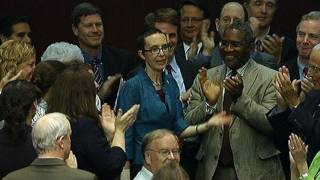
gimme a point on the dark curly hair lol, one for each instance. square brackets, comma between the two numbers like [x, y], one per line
[16, 99]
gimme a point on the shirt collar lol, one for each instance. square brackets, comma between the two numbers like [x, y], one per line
[301, 66]
[240, 71]
[186, 47]
[89, 59]
[146, 173]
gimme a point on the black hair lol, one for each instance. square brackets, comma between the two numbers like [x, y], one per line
[83, 9]
[7, 22]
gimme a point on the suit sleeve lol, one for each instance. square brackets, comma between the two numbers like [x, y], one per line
[128, 96]
[255, 113]
[196, 110]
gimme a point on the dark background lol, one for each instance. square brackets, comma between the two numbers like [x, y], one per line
[123, 19]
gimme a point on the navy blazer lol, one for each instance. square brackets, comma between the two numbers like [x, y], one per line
[301, 121]
[14, 156]
[116, 61]
[93, 152]
[153, 113]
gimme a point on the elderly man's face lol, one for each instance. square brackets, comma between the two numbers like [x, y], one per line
[308, 35]
[162, 151]
[263, 10]
[190, 22]
[314, 68]
[229, 14]
[90, 31]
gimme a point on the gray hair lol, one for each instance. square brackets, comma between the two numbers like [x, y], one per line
[48, 129]
[313, 15]
[153, 135]
[63, 52]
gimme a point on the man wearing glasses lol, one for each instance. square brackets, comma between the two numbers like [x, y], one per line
[241, 149]
[159, 147]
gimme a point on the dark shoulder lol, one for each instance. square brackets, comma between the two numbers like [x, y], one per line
[116, 51]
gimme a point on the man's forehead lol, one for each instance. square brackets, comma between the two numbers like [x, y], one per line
[90, 17]
[264, 1]
[21, 27]
[315, 57]
[233, 10]
[167, 141]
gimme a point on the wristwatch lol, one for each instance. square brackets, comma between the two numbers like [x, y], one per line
[303, 176]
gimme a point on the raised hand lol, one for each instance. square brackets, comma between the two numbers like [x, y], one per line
[108, 85]
[222, 118]
[273, 45]
[210, 89]
[234, 86]
[298, 150]
[207, 39]
[107, 120]
[287, 90]
[193, 50]
[124, 121]
[72, 161]
[10, 76]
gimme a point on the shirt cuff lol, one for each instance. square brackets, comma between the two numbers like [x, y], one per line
[210, 109]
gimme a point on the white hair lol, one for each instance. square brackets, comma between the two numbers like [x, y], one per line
[48, 129]
[63, 52]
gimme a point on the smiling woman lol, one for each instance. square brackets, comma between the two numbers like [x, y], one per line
[17, 57]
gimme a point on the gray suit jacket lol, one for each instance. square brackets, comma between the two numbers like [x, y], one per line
[250, 134]
[260, 57]
[49, 169]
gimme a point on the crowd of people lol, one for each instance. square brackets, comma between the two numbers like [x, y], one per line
[242, 103]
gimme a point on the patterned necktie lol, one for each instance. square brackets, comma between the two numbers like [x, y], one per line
[96, 65]
[258, 45]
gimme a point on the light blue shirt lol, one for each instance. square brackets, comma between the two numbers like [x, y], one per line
[300, 68]
[144, 174]
[177, 76]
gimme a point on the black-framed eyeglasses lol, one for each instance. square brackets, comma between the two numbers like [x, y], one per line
[167, 152]
[156, 50]
[232, 44]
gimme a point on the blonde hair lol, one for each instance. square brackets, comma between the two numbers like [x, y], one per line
[12, 54]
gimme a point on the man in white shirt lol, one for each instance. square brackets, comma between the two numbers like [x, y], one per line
[159, 147]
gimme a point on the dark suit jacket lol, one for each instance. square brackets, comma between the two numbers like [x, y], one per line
[49, 169]
[260, 57]
[14, 156]
[300, 121]
[93, 151]
[292, 65]
[116, 61]
[189, 68]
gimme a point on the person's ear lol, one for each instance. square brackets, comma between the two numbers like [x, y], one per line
[60, 142]
[141, 55]
[217, 22]
[147, 158]
[75, 30]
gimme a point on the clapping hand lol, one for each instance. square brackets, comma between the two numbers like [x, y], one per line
[210, 89]
[207, 38]
[234, 86]
[222, 118]
[273, 45]
[124, 121]
[298, 153]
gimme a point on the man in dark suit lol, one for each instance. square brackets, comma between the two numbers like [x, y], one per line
[293, 116]
[108, 63]
[51, 139]
[282, 48]
[308, 35]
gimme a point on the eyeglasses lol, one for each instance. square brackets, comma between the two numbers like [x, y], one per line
[313, 68]
[232, 44]
[167, 152]
[228, 20]
[156, 50]
[193, 20]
